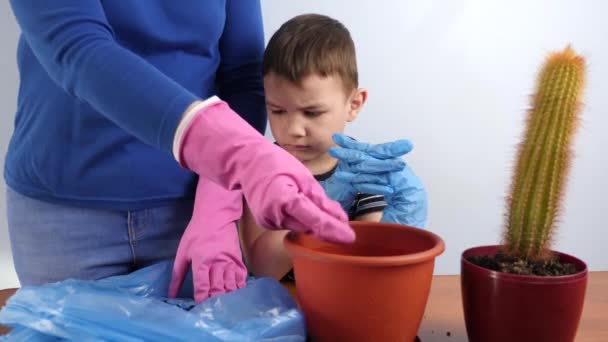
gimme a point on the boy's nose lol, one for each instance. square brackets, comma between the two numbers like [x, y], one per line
[296, 126]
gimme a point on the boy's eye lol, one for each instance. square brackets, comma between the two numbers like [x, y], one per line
[277, 111]
[312, 113]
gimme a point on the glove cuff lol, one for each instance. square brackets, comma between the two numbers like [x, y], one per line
[185, 123]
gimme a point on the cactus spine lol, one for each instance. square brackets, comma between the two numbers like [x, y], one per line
[543, 157]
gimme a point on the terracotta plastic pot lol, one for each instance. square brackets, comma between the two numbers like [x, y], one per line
[375, 289]
[508, 307]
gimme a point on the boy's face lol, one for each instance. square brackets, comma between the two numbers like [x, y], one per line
[303, 117]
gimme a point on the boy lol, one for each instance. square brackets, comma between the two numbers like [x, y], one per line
[311, 85]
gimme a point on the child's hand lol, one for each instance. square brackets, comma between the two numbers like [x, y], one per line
[367, 167]
[361, 168]
[340, 191]
[379, 170]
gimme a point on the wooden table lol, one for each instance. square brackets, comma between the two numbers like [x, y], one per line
[4, 295]
[444, 320]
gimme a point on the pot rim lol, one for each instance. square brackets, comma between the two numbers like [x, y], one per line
[525, 278]
[294, 248]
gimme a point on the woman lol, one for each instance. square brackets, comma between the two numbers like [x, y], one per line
[112, 93]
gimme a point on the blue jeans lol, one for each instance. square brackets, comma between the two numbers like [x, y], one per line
[53, 242]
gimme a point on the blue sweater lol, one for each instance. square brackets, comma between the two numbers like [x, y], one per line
[103, 85]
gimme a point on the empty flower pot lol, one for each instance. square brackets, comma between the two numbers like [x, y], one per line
[374, 289]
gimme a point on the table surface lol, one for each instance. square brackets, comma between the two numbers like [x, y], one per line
[444, 321]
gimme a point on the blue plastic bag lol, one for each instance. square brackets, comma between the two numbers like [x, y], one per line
[134, 308]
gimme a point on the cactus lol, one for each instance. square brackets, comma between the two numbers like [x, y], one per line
[543, 157]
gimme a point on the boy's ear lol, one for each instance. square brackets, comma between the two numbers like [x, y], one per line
[356, 102]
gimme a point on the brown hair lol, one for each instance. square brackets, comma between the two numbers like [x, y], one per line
[312, 44]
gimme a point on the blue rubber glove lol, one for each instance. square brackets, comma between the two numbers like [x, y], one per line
[338, 190]
[339, 186]
[379, 170]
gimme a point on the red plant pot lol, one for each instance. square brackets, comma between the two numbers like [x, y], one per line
[509, 307]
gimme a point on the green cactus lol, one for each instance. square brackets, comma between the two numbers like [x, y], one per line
[543, 158]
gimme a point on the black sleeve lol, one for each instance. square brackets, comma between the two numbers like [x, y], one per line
[365, 204]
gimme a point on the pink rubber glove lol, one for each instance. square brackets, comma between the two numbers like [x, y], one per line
[210, 244]
[215, 142]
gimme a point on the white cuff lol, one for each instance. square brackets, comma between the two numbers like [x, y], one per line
[185, 123]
